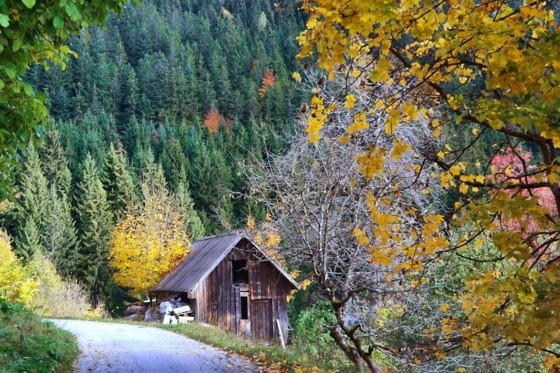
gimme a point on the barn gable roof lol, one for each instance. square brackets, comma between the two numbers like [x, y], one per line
[205, 255]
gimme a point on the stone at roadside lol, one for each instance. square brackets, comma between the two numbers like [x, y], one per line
[135, 310]
[151, 315]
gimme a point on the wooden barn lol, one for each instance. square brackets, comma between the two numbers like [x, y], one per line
[230, 282]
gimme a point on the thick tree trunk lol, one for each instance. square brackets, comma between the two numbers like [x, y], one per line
[350, 353]
[357, 354]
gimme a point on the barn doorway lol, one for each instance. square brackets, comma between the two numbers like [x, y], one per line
[261, 319]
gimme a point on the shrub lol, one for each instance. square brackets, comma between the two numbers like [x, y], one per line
[312, 337]
[39, 287]
[56, 297]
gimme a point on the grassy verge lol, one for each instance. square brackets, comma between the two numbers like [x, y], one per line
[29, 345]
[276, 358]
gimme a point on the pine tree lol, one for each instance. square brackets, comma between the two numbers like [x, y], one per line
[94, 224]
[59, 234]
[118, 183]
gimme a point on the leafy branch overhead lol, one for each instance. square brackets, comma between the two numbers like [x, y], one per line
[34, 32]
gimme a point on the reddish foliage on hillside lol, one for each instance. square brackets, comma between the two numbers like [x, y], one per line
[212, 120]
[268, 81]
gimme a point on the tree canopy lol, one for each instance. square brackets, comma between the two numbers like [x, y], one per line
[480, 73]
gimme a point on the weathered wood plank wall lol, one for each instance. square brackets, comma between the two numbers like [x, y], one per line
[217, 299]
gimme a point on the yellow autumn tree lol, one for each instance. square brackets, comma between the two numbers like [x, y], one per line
[147, 245]
[484, 74]
[15, 285]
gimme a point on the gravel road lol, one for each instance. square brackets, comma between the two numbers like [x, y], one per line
[112, 348]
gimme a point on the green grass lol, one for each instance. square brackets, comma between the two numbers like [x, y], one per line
[29, 345]
[273, 356]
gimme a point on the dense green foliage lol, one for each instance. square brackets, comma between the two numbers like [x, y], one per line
[34, 32]
[29, 345]
[153, 77]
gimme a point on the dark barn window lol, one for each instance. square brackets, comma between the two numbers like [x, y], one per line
[240, 272]
[244, 309]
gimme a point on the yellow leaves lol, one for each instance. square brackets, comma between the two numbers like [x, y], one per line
[361, 236]
[444, 307]
[15, 284]
[526, 294]
[399, 149]
[514, 62]
[350, 102]
[147, 246]
[296, 76]
[371, 162]
[410, 112]
[455, 170]
[250, 223]
[446, 180]
[360, 123]
[553, 178]
[527, 11]
[305, 283]
[273, 240]
[392, 121]
[381, 258]
[317, 118]
[552, 363]
[344, 139]
[381, 72]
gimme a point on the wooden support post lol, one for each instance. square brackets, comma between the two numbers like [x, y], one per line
[281, 334]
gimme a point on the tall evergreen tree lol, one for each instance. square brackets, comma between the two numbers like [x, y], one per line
[118, 183]
[174, 163]
[28, 240]
[184, 202]
[30, 205]
[153, 178]
[53, 160]
[59, 234]
[94, 227]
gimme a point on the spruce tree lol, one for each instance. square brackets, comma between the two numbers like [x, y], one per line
[59, 234]
[94, 227]
[174, 163]
[153, 178]
[28, 241]
[30, 205]
[184, 202]
[118, 183]
[53, 160]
